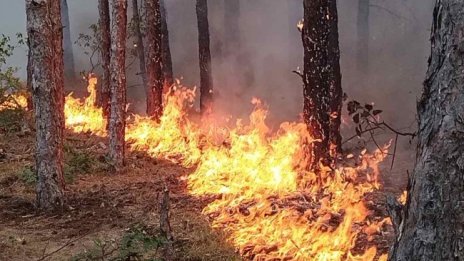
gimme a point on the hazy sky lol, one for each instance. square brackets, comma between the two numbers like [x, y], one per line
[399, 48]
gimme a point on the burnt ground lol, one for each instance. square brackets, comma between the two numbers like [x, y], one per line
[102, 208]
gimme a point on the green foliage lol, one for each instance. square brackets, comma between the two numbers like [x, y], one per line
[138, 241]
[76, 163]
[28, 175]
[8, 81]
[136, 244]
[10, 118]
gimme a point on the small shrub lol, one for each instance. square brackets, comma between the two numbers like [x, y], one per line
[28, 175]
[136, 244]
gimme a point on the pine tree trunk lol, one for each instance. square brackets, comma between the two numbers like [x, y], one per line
[166, 49]
[30, 74]
[105, 49]
[140, 46]
[433, 222]
[69, 71]
[322, 79]
[155, 82]
[45, 42]
[363, 37]
[206, 79]
[118, 83]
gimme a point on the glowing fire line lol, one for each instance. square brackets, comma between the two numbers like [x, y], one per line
[269, 205]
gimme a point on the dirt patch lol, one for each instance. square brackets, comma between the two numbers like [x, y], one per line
[100, 206]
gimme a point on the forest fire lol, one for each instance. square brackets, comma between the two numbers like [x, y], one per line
[268, 203]
[84, 116]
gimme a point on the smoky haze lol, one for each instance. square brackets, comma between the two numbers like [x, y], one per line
[270, 48]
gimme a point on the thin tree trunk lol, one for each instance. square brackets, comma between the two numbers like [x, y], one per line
[166, 49]
[45, 42]
[433, 222]
[105, 49]
[155, 77]
[69, 71]
[206, 79]
[322, 79]
[140, 46]
[363, 37]
[118, 83]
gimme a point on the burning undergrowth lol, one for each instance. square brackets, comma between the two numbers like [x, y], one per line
[271, 207]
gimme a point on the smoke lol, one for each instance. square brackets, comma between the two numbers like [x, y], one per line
[270, 48]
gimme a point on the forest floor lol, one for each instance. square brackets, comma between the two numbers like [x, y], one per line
[113, 216]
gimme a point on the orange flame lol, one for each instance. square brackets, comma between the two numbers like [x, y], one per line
[270, 205]
[84, 116]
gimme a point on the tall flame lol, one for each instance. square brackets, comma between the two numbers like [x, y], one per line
[269, 204]
[84, 116]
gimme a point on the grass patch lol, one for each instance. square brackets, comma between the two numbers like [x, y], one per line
[138, 243]
[11, 119]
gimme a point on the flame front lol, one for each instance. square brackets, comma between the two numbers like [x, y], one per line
[84, 116]
[270, 205]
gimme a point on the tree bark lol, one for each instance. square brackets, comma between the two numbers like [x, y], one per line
[30, 74]
[45, 42]
[363, 37]
[206, 79]
[105, 51]
[69, 71]
[118, 83]
[322, 79]
[155, 83]
[140, 45]
[166, 49]
[433, 222]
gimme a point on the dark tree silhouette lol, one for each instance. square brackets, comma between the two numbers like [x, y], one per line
[322, 79]
[105, 51]
[139, 38]
[69, 71]
[433, 222]
[154, 69]
[118, 84]
[206, 79]
[45, 38]
[166, 49]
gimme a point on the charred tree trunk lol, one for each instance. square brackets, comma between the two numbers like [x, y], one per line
[105, 50]
[140, 46]
[69, 71]
[166, 49]
[206, 79]
[118, 83]
[363, 37]
[433, 222]
[322, 79]
[45, 42]
[155, 83]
